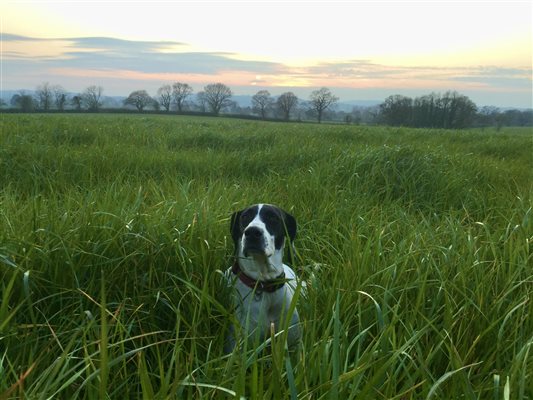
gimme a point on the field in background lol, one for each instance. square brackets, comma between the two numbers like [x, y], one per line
[113, 230]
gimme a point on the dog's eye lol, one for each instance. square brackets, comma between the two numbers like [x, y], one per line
[247, 217]
[271, 218]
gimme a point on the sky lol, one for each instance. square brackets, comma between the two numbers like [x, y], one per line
[360, 50]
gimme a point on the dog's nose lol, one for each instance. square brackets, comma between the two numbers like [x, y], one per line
[253, 233]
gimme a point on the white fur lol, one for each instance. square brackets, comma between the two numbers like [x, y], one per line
[256, 312]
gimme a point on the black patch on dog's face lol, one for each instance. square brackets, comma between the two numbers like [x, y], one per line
[277, 222]
[239, 221]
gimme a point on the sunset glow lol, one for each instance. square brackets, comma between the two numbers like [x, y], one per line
[482, 49]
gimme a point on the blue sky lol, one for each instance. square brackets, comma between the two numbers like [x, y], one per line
[360, 50]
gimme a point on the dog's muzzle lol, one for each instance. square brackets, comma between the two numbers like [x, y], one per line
[254, 241]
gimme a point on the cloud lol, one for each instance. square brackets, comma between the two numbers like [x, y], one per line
[101, 53]
[96, 42]
[355, 72]
[123, 46]
[519, 79]
[9, 37]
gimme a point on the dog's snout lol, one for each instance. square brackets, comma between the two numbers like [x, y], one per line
[253, 233]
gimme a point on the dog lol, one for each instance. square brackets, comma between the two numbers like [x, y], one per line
[263, 285]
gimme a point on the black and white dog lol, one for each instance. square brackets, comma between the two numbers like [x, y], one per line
[264, 285]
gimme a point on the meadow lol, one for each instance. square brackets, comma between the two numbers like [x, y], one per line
[415, 244]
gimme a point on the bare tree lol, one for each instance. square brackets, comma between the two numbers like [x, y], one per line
[91, 97]
[320, 100]
[60, 97]
[77, 102]
[43, 95]
[217, 96]
[180, 92]
[164, 94]
[16, 100]
[261, 102]
[286, 102]
[139, 99]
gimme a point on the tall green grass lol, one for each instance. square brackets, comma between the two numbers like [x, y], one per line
[114, 229]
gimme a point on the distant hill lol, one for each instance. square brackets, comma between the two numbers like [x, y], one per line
[6, 95]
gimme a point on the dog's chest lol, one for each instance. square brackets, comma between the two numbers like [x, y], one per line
[263, 308]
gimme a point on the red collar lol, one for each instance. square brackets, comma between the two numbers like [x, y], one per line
[259, 286]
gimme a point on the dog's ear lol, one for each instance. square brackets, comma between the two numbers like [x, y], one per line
[290, 225]
[235, 226]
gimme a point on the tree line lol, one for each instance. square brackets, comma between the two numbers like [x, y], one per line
[215, 98]
[450, 110]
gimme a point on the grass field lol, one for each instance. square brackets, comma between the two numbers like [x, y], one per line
[113, 230]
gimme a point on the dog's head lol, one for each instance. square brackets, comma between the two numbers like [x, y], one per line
[259, 232]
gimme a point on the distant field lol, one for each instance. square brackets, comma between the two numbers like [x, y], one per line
[113, 230]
